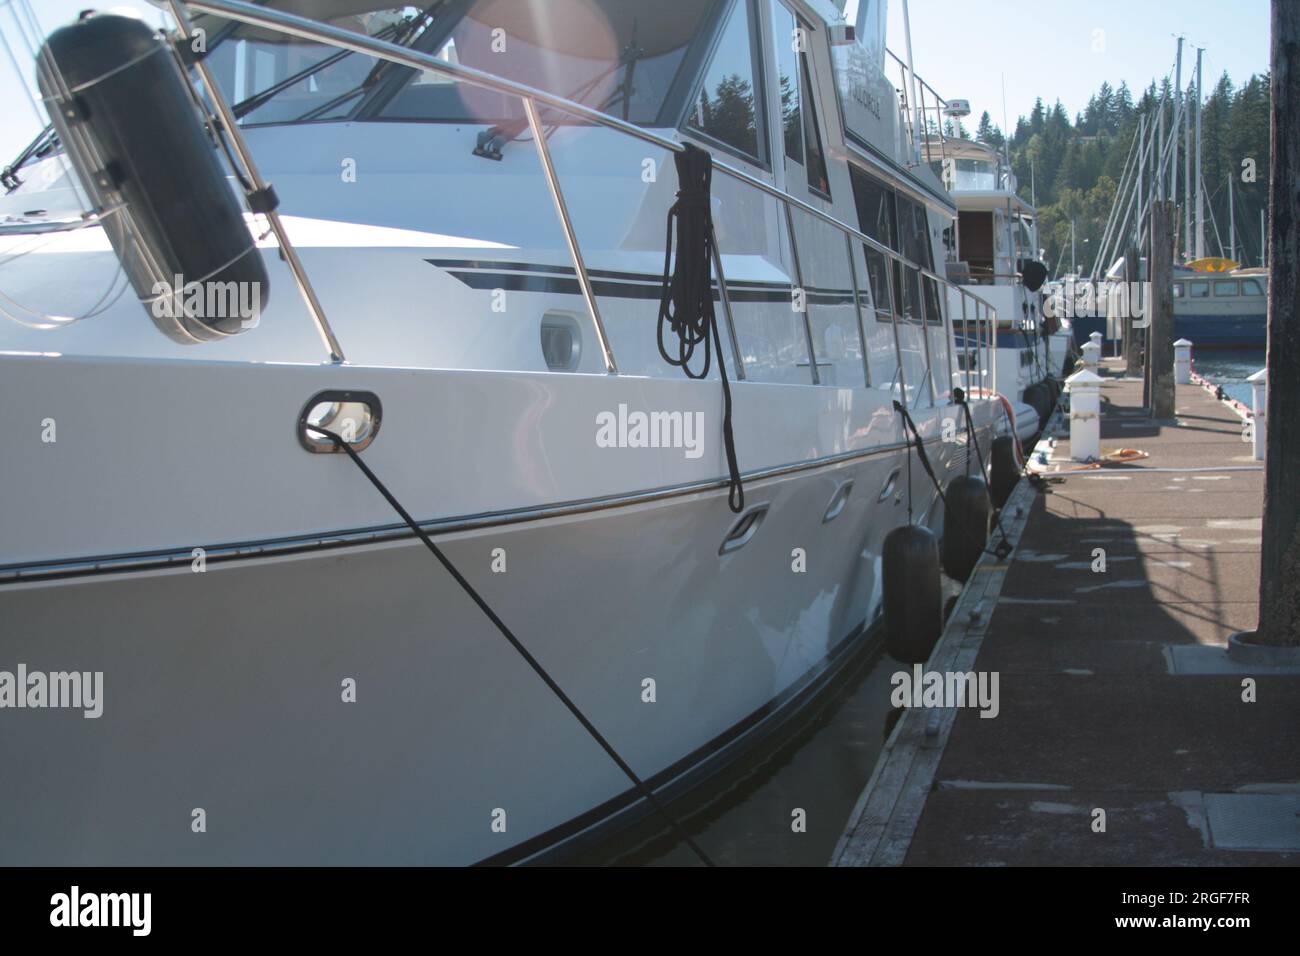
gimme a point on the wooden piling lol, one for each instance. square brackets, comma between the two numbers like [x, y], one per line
[1160, 310]
[1279, 580]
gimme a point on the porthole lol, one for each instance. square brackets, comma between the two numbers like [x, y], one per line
[561, 341]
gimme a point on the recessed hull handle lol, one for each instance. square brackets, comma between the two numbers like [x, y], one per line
[890, 484]
[744, 528]
[838, 502]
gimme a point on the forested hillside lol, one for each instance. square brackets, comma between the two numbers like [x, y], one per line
[1071, 168]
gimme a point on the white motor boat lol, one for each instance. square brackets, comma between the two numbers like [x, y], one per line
[465, 270]
[993, 251]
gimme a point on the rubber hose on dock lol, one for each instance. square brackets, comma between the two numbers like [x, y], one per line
[913, 600]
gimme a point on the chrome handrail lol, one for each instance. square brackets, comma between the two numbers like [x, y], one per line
[570, 234]
[315, 31]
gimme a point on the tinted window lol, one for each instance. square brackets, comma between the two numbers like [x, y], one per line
[1251, 287]
[812, 137]
[876, 211]
[1178, 290]
[787, 68]
[914, 234]
[607, 54]
[1198, 290]
[876, 217]
[726, 107]
[1225, 287]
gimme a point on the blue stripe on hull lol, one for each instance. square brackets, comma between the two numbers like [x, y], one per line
[1222, 331]
[1209, 331]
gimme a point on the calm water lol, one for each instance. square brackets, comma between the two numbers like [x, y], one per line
[1229, 368]
[821, 770]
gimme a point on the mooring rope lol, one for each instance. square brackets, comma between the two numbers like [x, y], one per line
[1003, 548]
[517, 644]
[686, 302]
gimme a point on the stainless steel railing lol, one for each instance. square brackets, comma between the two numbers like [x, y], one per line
[315, 31]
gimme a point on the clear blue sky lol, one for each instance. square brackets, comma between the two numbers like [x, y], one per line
[18, 125]
[961, 47]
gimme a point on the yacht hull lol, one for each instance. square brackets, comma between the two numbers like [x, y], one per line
[228, 734]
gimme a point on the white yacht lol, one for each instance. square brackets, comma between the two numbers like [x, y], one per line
[993, 251]
[463, 259]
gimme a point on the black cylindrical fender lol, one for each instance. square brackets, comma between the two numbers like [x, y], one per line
[1004, 469]
[1039, 397]
[912, 596]
[965, 525]
[143, 154]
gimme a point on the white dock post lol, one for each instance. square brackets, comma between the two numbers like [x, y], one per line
[1084, 387]
[1096, 338]
[1091, 355]
[1183, 362]
[1259, 399]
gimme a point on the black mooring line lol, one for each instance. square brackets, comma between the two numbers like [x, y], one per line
[517, 644]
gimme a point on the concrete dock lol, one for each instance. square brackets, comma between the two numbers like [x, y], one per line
[1124, 733]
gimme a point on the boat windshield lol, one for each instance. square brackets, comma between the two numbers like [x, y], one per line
[620, 56]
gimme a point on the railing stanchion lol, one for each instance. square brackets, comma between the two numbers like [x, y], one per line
[738, 360]
[925, 337]
[570, 236]
[893, 323]
[993, 346]
[798, 273]
[231, 124]
[965, 341]
[857, 308]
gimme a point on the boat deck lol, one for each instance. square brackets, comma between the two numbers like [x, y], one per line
[1116, 692]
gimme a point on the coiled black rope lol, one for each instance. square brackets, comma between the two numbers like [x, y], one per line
[532, 662]
[686, 302]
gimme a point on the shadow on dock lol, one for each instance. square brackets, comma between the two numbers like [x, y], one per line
[1124, 734]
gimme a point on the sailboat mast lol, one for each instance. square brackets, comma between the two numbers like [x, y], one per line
[1200, 193]
[1187, 172]
[1178, 99]
[1232, 224]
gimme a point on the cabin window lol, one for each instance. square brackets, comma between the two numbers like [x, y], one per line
[787, 68]
[818, 180]
[1198, 290]
[1225, 287]
[727, 107]
[603, 53]
[877, 217]
[1178, 290]
[800, 132]
[1251, 287]
[913, 221]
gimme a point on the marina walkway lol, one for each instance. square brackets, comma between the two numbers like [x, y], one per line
[1124, 733]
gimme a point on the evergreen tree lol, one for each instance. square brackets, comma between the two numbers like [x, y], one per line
[1076, 166]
